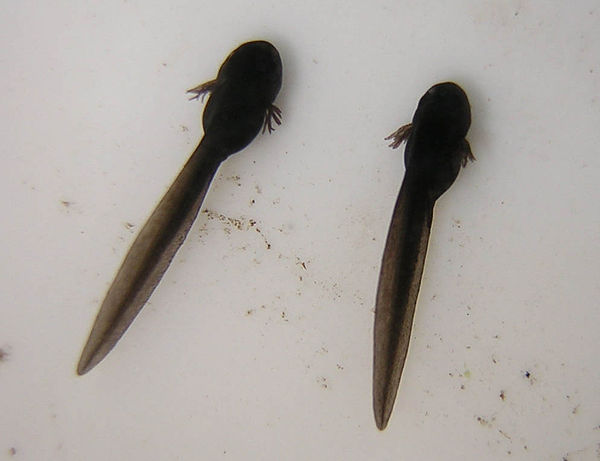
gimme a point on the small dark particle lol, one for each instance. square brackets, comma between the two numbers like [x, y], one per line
[502, 396]
[66, 203]
[323, 382]
[504, 434]
[575, 410]
[268, 245]
[527, 375]
[236, 178]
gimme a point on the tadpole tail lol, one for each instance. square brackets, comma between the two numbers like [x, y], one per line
[399, 282]
[150, 255]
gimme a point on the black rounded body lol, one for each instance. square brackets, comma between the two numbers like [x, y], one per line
[245, 88]
[435, 150]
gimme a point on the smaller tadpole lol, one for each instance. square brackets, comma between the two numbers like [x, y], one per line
[436, 149]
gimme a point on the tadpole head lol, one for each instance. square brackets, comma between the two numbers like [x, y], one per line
[257, 66]
[437, 148]
[244, 90]
[444, 112]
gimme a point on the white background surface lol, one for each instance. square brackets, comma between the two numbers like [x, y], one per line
[247, 351]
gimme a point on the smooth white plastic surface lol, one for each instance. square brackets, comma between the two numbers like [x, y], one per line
[257, 344]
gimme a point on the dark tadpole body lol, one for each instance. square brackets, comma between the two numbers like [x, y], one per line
[436, 149]
[240, 104]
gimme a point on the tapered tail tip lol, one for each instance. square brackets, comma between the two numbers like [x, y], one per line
[381, 420]
[383, 404]
[83, 368]
[89, 361]
[381, 425]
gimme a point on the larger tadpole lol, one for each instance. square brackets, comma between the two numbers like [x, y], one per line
[240, 104]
